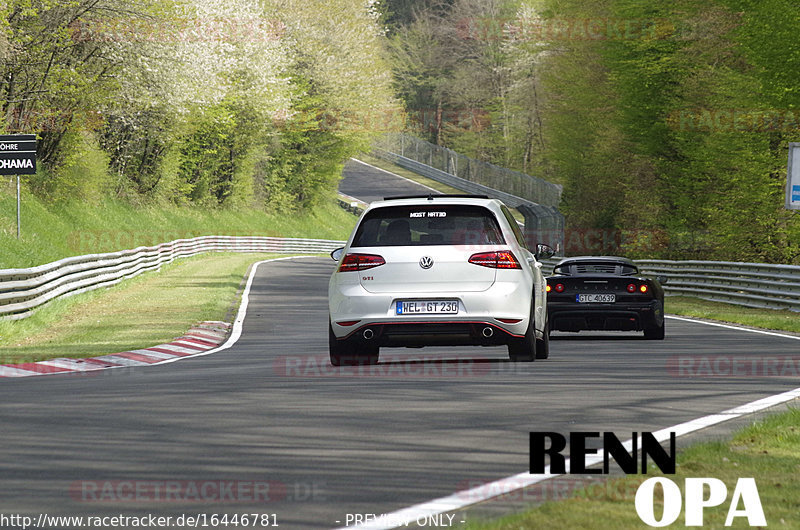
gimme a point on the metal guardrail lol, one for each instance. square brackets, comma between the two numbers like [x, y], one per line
[747, 284]
[24, 290]
[530, 188]
[543, 224]
[446, 178]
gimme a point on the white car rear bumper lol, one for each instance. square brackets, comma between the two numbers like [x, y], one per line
[505, 306]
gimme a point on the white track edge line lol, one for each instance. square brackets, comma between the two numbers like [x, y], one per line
[730, 326]
[232, 339]
[489, 490]
[238, 323]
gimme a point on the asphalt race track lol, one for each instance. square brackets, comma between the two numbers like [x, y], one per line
[269, 427]
[371, 184]
[269, 409]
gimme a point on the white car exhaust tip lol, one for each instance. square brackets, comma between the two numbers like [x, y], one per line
[368, 334]
[487, 332]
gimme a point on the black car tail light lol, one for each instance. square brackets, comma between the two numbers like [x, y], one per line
[631, 287]
[559, 287]
[360, 262]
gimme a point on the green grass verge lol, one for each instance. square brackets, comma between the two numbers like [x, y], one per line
[769, 451]
[150, 309]
[54, 231]
[783, 320]
[153, 307]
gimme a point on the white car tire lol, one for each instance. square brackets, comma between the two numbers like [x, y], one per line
[347, 353]
[524, 349]
[543, 344]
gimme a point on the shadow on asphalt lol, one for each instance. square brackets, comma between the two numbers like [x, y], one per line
[463, 360]
[597, 337]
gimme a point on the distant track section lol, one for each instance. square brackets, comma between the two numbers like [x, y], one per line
[369, 183]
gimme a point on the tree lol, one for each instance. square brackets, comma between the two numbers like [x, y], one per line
[180, 99]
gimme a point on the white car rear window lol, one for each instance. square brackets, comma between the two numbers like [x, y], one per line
[428, 225]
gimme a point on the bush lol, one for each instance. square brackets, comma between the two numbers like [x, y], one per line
[82, 170]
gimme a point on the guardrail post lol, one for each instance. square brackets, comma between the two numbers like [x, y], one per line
[18, 215]
[543, 224]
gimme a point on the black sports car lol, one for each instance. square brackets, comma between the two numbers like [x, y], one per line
[604, 293]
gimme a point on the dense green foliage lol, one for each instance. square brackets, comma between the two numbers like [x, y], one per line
[56, 230]
[667, 123]
[202, 102]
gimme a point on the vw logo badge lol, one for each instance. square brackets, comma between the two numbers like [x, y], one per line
[426, 262]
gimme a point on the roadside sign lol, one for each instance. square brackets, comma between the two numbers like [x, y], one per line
[18, 157]
[18, 154]
[793, 177]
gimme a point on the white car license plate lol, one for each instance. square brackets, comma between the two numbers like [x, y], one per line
[595, 298]
[427, 307]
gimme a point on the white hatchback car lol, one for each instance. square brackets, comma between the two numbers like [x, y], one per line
[440, 270]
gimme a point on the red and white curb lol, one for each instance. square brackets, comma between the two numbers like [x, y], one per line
[204, 339]
[198, 340]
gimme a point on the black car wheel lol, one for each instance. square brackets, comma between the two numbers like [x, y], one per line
[654, 333]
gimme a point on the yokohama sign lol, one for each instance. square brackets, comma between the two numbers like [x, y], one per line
[18, 154]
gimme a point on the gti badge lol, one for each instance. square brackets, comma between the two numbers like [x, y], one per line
[426, 262]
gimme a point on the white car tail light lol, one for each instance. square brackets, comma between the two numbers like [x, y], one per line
[360, 262]
[501, 259]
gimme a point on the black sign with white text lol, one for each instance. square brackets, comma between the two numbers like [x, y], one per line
[18, 154]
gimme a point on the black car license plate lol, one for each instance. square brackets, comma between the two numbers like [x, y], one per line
[595, 298]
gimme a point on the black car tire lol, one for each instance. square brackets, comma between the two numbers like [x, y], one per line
[345, 353]
[654, 333]
[543, 344]
[524, 349]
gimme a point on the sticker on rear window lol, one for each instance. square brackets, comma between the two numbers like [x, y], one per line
[428, 214]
